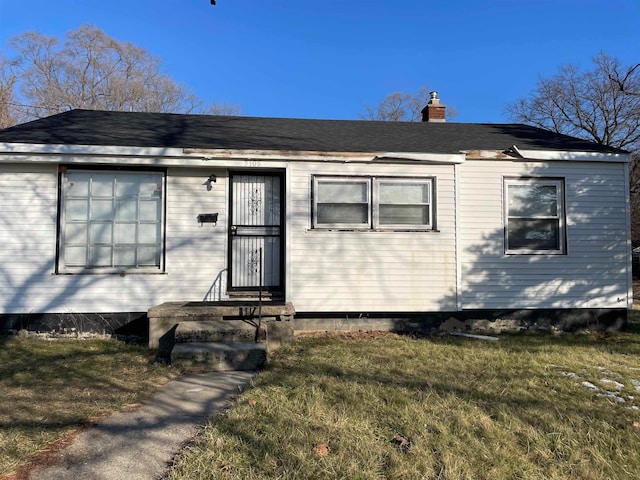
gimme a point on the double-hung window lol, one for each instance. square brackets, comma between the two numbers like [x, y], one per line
[377, 203]
[111, 221]
[534, 216]
[342, 202]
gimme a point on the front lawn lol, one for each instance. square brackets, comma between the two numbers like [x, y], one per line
[50, 388]
[371, 406]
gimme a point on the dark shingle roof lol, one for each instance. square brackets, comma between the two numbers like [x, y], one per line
[88, 127]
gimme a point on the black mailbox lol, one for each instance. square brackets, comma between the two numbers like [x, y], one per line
[208, 218]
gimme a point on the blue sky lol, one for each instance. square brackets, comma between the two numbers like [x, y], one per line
[328, 59]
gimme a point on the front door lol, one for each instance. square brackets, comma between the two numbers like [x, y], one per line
[255, 232]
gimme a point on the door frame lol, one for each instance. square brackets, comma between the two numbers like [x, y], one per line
[274, 291]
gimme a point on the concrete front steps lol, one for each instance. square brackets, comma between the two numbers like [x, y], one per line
[218, 345]
[219, 336]
[219, 357]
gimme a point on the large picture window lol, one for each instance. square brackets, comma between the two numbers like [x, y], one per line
[534, 216]
[111, 220]
[373, 203]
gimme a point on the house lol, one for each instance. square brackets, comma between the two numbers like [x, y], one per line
[357, 224]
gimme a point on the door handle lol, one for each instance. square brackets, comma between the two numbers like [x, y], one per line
[234, 229]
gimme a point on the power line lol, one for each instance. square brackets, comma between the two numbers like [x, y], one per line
[13, 104]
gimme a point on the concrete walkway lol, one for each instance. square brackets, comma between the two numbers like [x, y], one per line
[138, 445]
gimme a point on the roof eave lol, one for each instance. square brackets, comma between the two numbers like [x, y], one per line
[417, 157]
[72, 149]
[54, 150]
[568, 155]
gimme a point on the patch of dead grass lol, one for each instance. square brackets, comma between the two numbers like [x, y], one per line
[50, 389]
[389, 406]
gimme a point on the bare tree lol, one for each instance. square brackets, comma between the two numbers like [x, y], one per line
[8, 115]
[222, 108]
[587, 104]
[601, 104]
[92, 70]
[402, 107]
[627, 81]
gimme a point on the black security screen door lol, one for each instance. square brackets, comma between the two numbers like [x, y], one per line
[255, 232]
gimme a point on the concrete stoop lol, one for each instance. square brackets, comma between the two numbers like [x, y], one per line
[218, 345]
[219, 336]
[218, 357]
[218, 330]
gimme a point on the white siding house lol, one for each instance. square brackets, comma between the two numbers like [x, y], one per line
[592, 268]
[112, 213]
[362, 270]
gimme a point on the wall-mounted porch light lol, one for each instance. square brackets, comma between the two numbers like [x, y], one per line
[212, 179]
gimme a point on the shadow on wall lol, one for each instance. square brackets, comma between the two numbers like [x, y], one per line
[579, 286]
[27, 268]
[584, 287]
[497, 289]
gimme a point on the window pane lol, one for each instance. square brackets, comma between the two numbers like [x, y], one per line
[76, 233]
[409, 192]
[100, 256]
[404, 215]
[150, 186]
[127, 185]
[102, 209]
[125, 233]
[127, 209]
[534, 234]
[124, 256]
[75, 256]
[150, 210]
[149, 256]
[101, 233]
[533, 200]
[342, 192]
[76, 210]
[149, 233]
[102, 185]
[77, 184]
[336, 213]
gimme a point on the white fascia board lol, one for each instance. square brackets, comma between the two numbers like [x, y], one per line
[314, 156]
[107, 150]
[115, 155]
[545, 155]
[156, 155]
[45, 153]
[449, 158]
[279, 155]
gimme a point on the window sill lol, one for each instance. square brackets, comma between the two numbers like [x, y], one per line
[122, 273]
[372, 230]
[538, 253]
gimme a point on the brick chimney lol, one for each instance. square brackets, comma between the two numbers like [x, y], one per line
[434, 111]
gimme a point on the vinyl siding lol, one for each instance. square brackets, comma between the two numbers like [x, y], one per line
[368, 271]
[339, 271]
[195, 255]
[28, 198]
[594, 271]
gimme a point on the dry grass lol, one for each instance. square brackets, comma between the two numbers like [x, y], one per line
[387, 406]
[51, 388]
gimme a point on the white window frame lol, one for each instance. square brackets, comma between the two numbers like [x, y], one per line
[136, 243]
[373, 203]
[317, 180]
[429, 181]
[558, 183]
